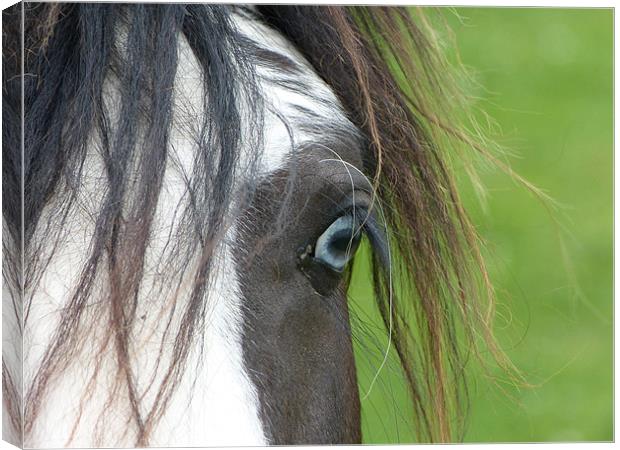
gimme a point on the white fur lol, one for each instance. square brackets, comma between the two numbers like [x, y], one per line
[12, 353]
[218, 405]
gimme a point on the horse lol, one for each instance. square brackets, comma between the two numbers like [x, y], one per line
[186, 190]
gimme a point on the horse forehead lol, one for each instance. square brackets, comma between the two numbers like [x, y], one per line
[300, 109]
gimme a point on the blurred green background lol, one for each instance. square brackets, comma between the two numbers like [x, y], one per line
[546, 77]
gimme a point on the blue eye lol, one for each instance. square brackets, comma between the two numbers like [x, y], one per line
[338, 243]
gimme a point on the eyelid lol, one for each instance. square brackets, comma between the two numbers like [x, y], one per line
[376, 231]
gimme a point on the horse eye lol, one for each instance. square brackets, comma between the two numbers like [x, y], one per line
[338, 243]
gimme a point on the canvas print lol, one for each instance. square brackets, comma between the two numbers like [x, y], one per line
[252, 225]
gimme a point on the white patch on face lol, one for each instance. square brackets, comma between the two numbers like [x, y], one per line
[221, 408]
[215, 404]
[283, 105]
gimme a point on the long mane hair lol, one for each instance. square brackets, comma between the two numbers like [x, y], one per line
[384, 64]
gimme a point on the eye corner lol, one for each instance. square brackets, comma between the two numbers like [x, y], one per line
[324, 279]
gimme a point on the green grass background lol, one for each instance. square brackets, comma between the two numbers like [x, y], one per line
[545, 76]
